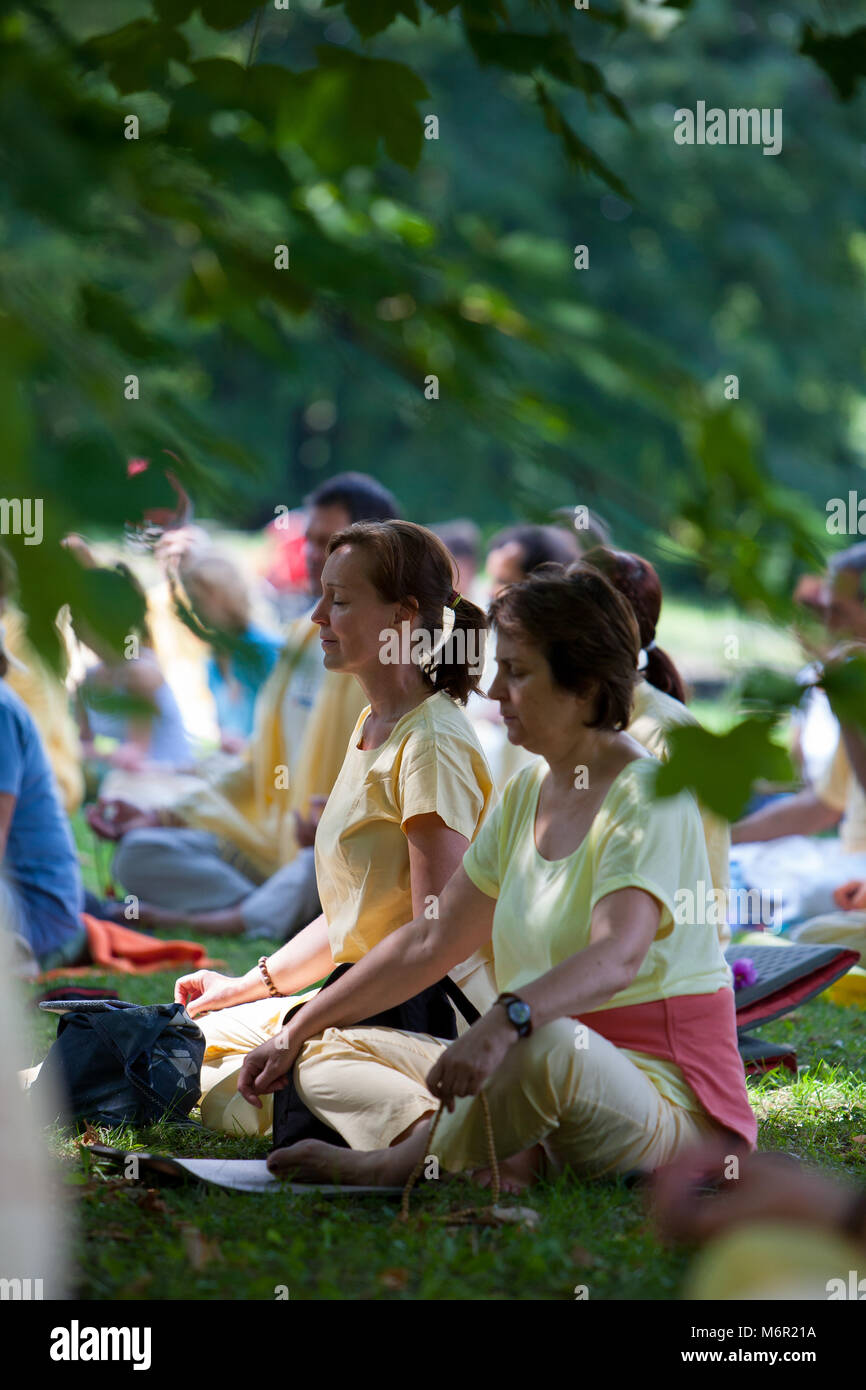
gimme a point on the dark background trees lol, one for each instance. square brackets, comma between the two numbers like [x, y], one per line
[452, 257]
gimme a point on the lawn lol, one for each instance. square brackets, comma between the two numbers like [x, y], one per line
[196, 1242]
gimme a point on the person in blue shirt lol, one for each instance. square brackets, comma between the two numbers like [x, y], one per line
[41, 895]
[242, 654]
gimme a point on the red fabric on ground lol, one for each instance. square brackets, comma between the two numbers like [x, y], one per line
[120, 950]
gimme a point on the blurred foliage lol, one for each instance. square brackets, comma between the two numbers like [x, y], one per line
[155, 254]
[844, 681]
[842, 56]
[722, 767]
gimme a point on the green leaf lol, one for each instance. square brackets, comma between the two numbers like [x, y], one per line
[372, 16]
[174, 11]
[137, 56]
[721, 768]
[845, 684]
[579, 154]
[222, 83]
[841, 56]
[342, 111]
[228, 14]
[107, 314]
[552, 53]
[108, 606]
[770, 692]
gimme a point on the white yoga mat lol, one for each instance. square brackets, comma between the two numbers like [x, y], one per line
[241, 1174]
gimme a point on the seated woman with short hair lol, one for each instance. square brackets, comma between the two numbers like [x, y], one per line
[613, 1045]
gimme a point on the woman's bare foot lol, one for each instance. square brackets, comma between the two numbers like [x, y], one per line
[225, 921]
[516, 1173]
[154, 918]
[311, 1160]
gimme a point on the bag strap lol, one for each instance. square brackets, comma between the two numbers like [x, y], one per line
[459, 1000]
[454, 992]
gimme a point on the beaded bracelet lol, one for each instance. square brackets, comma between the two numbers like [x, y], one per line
[266, 976]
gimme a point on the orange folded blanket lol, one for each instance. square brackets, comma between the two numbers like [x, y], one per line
[120, 950]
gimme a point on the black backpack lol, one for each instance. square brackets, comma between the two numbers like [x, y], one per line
[117, 1063]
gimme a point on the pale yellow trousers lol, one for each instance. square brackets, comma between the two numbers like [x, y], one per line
[592, 1108]
[231, 1033]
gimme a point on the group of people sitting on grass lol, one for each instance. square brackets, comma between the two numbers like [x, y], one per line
[505, 962]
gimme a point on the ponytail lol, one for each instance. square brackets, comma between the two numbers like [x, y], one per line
[636, 578]
[661, 672]
[458, 667]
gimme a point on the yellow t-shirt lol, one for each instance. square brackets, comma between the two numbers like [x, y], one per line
[543, 907]
[653, 714]
[840, 789]
[430, 762]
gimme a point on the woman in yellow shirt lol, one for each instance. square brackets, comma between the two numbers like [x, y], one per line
[411, 795]
[620, 1049]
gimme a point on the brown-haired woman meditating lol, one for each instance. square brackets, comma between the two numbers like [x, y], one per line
[613, 1045]
[412, 792]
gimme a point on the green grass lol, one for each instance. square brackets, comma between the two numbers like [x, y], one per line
[200, 1243]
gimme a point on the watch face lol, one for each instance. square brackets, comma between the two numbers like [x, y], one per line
[519, 1012]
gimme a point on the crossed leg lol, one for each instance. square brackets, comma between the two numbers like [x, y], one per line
[591, 1109]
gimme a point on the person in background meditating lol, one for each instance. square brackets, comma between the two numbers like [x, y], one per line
[125, 696]
[513, 554]
[660, 699]
[236, 856]
[784, 843]
[242, 655]
[411, 795]
[613, 1043]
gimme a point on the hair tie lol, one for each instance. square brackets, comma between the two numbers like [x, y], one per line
[453, 599]
[642, 656]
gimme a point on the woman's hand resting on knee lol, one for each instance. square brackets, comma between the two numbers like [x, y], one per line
[206, 989]
[267, 1068]
[467, 1063]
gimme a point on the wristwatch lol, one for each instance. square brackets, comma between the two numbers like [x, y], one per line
[519, 1013]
